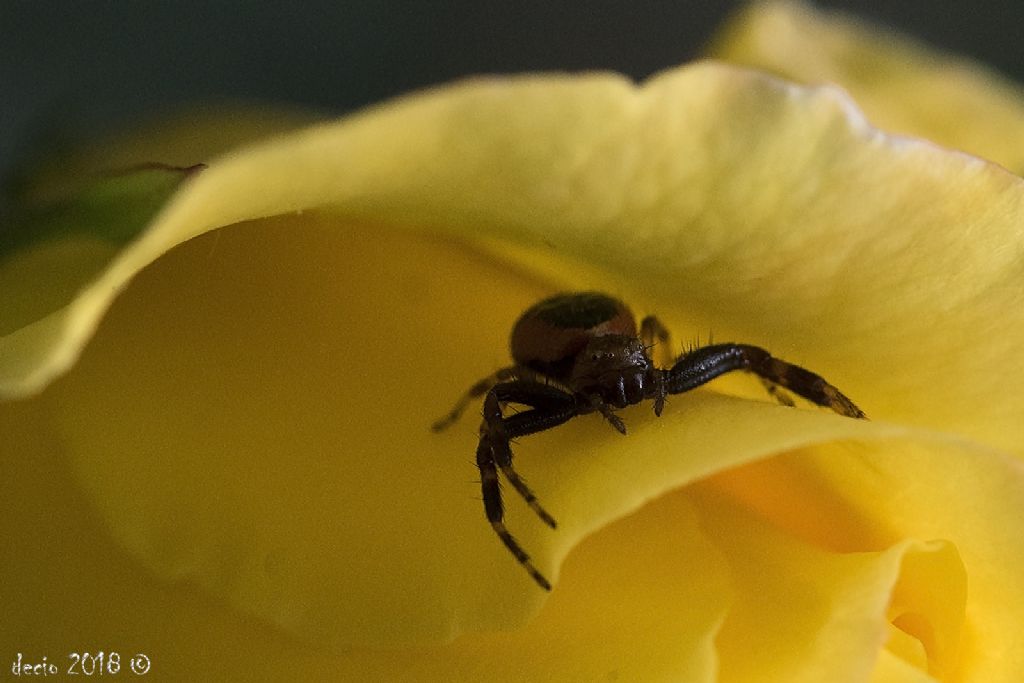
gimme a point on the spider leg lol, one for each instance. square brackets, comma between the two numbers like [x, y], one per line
[704, 364]
[474, 392]
[777, 393]
[609, 414]
[495, 511]
[654, 334]
[551, 407]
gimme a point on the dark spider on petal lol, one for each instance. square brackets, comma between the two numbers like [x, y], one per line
[580, 353]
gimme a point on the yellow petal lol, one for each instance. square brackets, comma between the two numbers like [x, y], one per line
[804, 613]
[66, 582]
[710, 193]
[252, 415]
[862, 496]
[734, 194]
[902, 85]
[971, 496]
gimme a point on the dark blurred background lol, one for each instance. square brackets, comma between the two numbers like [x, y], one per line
[89, 65]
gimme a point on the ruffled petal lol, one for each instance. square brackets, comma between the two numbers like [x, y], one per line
[902, 85]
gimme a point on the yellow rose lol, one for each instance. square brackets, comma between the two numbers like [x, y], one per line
[245, 411]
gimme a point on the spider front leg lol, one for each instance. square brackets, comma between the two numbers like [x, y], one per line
[551, 407]
[705, 364]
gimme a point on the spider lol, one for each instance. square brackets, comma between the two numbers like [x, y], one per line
[580, 353]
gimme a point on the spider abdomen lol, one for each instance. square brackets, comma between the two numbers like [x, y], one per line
[550, 335]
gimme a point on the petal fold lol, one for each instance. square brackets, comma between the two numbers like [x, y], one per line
[803, 613]
[956, 497]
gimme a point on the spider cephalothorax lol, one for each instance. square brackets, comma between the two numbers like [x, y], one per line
[580, 353]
